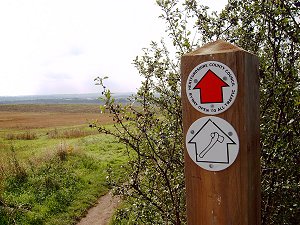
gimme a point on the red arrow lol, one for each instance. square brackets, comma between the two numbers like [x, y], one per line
[211, 88]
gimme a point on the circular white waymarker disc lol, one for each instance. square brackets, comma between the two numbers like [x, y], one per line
[211, 87]
[212, 143]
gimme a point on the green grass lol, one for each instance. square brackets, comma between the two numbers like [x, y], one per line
[123, 216]
[55, 181]
[44, 142]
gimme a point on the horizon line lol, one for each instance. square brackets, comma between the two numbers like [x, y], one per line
[89, 93]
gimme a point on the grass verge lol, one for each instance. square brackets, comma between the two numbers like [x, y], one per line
[60, 188]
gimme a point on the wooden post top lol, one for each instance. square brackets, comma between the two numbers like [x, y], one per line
[215, 47]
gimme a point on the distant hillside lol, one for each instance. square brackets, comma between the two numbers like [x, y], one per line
[92, 98]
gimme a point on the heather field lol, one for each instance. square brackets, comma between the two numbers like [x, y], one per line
[28, 116]
[53, 166]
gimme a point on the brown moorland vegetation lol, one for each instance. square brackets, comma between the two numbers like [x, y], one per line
[24, 117]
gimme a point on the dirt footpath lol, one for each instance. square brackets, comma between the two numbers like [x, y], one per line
[102, 212]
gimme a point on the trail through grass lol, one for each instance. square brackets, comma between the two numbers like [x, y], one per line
[51, 180]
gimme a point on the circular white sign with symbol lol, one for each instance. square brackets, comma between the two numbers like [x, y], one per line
[211, 87]
[212, 143]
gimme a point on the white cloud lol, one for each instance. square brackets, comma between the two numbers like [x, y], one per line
[60, 46]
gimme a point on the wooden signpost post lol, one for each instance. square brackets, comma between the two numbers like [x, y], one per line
[220, 100]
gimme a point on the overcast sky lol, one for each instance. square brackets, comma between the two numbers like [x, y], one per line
[60, 46]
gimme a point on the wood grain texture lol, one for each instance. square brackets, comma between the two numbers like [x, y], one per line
[231, 196]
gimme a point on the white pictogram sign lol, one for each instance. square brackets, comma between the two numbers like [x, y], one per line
[211, 87]
[212, 143]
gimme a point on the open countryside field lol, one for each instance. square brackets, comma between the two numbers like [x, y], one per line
[53, 166]
[42, 116]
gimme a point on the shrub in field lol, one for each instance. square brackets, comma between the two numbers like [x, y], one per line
[63, 150]
[13, 167]
[53, 134]
[28, 135]
[69, 133]
[75, 133]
